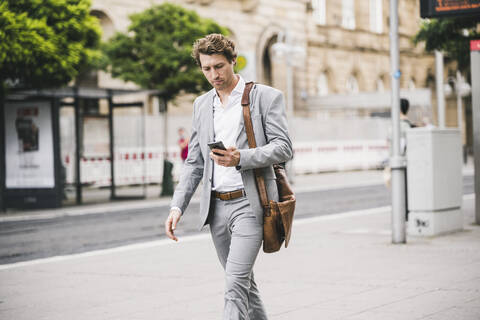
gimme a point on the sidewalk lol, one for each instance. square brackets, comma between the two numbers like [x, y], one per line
[337, 267]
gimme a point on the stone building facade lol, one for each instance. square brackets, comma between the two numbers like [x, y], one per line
[345, 43]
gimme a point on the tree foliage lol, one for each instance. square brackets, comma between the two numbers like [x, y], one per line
[155, 53]
[451, 36]
[47, 42]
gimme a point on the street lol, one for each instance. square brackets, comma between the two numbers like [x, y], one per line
[46, 237]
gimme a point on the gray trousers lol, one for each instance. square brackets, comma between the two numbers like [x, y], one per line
[237, 237]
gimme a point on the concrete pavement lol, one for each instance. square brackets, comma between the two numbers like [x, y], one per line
[337, 267]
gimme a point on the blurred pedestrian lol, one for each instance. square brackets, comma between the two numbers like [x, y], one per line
[230, 203]
[183, 143]
[405, 124]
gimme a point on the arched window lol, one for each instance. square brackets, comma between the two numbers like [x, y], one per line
[352, 85]
[322, 84]
[108, 29]
[319, 11]
[380, 86]
[348, 14]
[411, 84]
[267, 62]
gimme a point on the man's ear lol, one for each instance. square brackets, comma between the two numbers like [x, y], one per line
[234, 61]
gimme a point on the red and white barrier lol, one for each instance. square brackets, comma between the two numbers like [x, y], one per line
[313, 157]
[145, 165]
[132, 166]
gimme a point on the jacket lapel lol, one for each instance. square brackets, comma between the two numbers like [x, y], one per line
[209, 118]
[210, 132]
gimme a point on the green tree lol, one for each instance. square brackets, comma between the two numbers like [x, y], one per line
[45, 43]
[155, 53]
[451, 36]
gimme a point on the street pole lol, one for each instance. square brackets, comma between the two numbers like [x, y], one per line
[167, 178]
[2, 146]
[458, 83]
[439, 88]
[397, 161]
[475, 71]
[165, 129]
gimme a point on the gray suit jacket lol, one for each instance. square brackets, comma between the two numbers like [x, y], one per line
[273, 146]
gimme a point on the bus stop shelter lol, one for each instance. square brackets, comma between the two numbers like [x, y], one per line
[30, 165]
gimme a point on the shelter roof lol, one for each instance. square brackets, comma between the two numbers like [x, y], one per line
[79, 92]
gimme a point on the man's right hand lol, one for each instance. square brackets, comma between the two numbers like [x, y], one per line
[171, 223]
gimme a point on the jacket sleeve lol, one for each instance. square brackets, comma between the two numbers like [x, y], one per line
[279, 147]
[192, 170]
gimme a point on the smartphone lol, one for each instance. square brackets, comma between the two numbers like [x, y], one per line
[217, 145]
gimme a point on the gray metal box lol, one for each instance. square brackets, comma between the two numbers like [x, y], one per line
[434, 181]
[434, 169]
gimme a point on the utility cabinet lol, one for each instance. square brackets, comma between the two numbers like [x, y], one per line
[434, 181]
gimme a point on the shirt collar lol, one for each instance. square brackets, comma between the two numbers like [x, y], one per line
[240, 85]
[238, 88]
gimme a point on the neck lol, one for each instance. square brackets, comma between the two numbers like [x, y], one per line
[225, 93]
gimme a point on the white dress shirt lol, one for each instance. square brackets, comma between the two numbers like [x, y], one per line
[226, 119]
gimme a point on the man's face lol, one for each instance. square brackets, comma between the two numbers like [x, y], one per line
[217, 70]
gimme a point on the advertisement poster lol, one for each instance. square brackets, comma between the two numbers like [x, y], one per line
[29, 145]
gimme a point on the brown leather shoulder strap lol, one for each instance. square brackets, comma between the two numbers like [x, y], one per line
[246, 93]
[252, 143]
[246, 115]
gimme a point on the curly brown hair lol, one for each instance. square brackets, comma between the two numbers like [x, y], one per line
[214, 43]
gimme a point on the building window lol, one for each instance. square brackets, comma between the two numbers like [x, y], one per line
[380, 85]
[108, 29]
[411, 84]
[376, 16]
[352, 85]
[319, 11]
[322, 84]
[348, 14]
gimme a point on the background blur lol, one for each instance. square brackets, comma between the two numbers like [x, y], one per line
[335, 54]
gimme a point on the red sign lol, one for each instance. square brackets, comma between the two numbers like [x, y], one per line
[474, 45]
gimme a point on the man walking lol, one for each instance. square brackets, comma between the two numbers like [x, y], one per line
[230, 203]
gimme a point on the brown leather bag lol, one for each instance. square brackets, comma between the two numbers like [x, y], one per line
[277, 216]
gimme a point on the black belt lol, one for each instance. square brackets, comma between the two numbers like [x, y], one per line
[229, 195]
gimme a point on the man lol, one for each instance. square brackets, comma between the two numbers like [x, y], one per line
[230, 203]
[183, 144]
[405, 124]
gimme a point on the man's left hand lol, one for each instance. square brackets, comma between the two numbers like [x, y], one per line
[226, 158]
